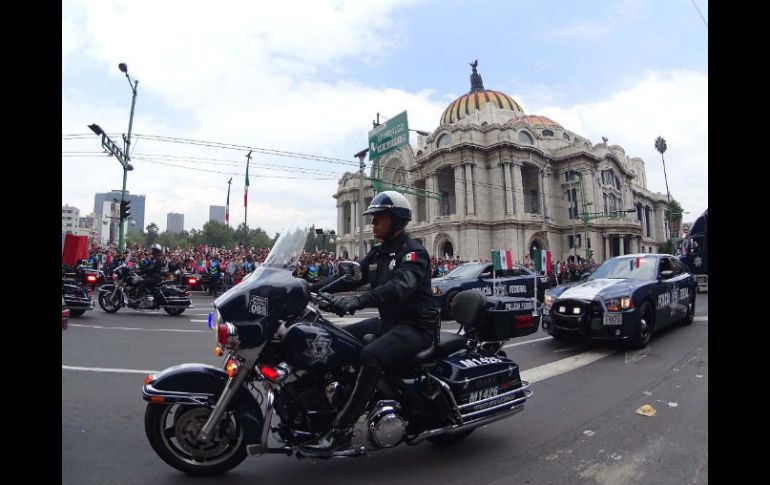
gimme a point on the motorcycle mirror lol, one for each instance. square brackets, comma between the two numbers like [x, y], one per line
[351, 270]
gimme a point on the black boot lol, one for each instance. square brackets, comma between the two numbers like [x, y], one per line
[342, 427]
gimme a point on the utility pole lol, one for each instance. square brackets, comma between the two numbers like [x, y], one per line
[360, 155]
[123, 156]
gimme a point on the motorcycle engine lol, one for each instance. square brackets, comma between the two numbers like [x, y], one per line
[386, 426]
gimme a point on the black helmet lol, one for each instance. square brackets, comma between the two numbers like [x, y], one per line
[393, 202]
[156, 249]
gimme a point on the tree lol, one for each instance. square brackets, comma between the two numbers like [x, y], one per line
[134, 237]
[217, 234]
[152, 234]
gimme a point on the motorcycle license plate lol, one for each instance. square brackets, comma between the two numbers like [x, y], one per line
[482, 394]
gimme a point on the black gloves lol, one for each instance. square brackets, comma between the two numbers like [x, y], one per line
[345, 304]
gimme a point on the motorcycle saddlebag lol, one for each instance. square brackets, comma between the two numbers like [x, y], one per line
[494, 318]
[474, 380]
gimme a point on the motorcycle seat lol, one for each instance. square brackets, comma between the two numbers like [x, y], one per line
[449, 343]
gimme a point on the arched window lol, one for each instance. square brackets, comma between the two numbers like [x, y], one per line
[444, 140]
[525, 137]
[566, 137]
[547, 133]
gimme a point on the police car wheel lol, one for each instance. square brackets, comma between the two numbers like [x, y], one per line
[643, 330]
[690, 316]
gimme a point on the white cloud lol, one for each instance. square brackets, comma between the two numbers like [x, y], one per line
[244, 75]
[671, 104]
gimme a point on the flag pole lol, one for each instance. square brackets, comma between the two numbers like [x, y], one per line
[227, 206]
[539, 258]
[246, 195]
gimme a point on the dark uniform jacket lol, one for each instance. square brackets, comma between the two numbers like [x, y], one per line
[399, 273]
[152, 271]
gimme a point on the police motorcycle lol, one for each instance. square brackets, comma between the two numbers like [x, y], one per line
[287, 371]
[112, 297]
[75, 295]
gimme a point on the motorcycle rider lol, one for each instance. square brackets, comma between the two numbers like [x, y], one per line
[150, 272]
[399, 272]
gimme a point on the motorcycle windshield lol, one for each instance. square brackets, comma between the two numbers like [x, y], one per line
[270, 292]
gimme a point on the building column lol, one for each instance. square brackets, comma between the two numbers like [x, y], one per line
[545, 186]
[622, 245]
[607, 247]
[339, 219]
[506, 166]
[459, 191]
[518, 189]
[470, 189]
[432, 208]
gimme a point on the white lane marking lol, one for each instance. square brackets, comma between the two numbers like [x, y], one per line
[102, 369]
[564, 365]
[559, 351]
[138, 329]
[527, 342]
[200, 321]
[702, 319]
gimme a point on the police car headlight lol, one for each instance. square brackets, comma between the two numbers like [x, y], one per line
[436, 290]
[618, 304]
[547, 300]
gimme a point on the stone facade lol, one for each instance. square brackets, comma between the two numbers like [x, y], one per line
[502, 180]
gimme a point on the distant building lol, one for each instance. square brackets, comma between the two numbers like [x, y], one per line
[70, 219]
[217, 213]
[136, 207]
[174, 223]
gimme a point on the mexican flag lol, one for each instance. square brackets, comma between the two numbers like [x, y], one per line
[543, 260]
[501, 258]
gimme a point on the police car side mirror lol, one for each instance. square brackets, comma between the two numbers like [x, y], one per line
[350, 271]
[485, 275]
[665, 274]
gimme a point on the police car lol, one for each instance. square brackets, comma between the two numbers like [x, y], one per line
[517, 282]
[626, 299]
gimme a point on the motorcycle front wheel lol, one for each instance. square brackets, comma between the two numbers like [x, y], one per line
[108, 304]
[172, 430]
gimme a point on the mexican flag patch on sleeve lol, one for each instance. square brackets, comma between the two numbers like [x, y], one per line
[409, 257]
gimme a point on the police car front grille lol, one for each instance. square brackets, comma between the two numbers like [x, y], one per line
[569, 306]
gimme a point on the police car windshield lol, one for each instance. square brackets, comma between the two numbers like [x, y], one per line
[466, 271]
[634, 268]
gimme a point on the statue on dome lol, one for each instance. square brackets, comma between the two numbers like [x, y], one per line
[476, 82]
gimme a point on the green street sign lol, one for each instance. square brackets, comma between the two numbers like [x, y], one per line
[389, 136]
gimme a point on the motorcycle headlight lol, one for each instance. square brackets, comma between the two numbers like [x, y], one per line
[547, 300]
[436, 290]
[618, 304]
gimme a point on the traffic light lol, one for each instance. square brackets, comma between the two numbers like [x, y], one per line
[125, 210]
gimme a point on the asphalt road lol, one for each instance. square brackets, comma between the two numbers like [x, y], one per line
[579, 427]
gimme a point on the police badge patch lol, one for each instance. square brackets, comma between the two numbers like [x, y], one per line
[257, 305]
[318, 349]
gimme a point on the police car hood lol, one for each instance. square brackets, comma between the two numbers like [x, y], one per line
[603, 287]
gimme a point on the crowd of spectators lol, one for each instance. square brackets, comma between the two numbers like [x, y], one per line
[237, 262]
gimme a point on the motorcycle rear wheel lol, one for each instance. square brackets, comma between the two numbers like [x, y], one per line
[110, 307]
[172, 430]
[76, 313]
[173, 311]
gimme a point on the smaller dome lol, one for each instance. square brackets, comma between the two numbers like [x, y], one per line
[535, 120]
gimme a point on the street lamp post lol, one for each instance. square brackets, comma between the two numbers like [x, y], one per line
[127, 144]
[123, 155]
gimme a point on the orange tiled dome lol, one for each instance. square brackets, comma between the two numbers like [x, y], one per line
[474, 101]
[535, 120]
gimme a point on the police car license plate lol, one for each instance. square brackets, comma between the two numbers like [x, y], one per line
[613, 318]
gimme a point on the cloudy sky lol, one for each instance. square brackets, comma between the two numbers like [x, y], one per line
[308, 77]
